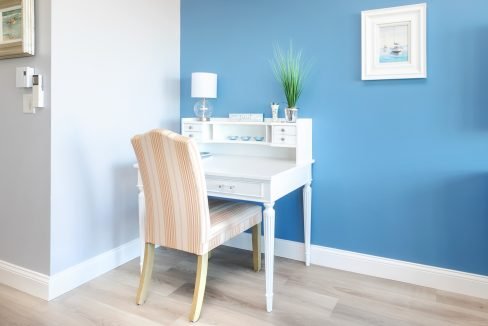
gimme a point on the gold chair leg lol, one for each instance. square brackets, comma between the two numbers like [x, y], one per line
[201, 280]
[256, 247]
[147, 269]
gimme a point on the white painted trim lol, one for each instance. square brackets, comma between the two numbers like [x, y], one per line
[418, 274]
[283, 248]
[24, 279]
[77, 275]
[50, 287]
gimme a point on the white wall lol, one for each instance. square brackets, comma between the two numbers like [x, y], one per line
[25, 159]
[115, 73]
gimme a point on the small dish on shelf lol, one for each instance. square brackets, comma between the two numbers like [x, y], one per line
[205, 154]
[258, 138]
[232, 137]
[245, 138]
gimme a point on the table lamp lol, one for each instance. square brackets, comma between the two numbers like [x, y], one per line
[204, 86]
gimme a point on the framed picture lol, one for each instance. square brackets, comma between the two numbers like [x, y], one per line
[16, 28]
[393, 42]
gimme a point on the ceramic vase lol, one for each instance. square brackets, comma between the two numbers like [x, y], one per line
[274, 111]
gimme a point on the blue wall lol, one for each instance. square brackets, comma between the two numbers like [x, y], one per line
[402, 165]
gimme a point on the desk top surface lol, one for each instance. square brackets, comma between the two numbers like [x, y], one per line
[249, 167]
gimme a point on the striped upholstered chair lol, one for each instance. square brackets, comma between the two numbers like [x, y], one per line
[178, 213]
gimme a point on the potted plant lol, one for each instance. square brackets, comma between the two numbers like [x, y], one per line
[290, 71]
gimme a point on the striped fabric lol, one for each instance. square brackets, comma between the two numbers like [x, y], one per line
[228, 219]
[177, 209]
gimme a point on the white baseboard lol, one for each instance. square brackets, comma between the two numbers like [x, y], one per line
[423, 275]
[77, 275]
[283, 248]
[50, 287]
[24, 279]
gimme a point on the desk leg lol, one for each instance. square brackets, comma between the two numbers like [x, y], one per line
[142, 217]
[307, 219]
[269, 237]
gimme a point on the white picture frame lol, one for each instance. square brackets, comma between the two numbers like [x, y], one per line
[394, 42]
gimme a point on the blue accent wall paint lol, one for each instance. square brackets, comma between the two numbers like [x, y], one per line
[401, 165]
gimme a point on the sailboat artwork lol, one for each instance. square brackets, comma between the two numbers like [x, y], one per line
[394, 43]
[11, 25]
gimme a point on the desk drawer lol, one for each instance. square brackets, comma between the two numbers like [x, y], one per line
[242, 188]
[284, 130]
[197, 135]
[284, 139]
[192, 127]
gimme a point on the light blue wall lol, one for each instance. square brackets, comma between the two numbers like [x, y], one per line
[93, 193]
[402, 166]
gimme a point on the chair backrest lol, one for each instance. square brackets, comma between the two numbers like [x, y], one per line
[177, 214]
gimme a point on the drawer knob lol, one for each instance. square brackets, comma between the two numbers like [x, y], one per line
[190, 127]
[231, 187]
[190, 135]
[282, 129]
[282, 139]
[221, 186]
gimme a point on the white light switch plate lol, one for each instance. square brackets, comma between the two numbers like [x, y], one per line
[28, 108]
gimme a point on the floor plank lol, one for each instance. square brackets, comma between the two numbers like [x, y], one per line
[235, 296]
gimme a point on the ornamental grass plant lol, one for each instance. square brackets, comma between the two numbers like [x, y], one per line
[290, 70]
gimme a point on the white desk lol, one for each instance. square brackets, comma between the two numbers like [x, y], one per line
[274, 170]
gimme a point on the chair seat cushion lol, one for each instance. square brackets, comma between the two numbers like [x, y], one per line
[228, 219]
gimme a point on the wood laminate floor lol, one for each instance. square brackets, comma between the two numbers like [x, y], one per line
[235, 296]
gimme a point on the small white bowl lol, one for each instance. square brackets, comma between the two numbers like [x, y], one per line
[232, 137]
[245, 138]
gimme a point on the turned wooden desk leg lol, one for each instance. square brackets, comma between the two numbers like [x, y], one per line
[269, 237]
[307, 219]
[142, 217]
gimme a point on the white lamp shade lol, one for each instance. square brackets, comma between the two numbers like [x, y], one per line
[203, 85]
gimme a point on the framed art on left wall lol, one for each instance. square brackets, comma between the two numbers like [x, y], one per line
[17, 30]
